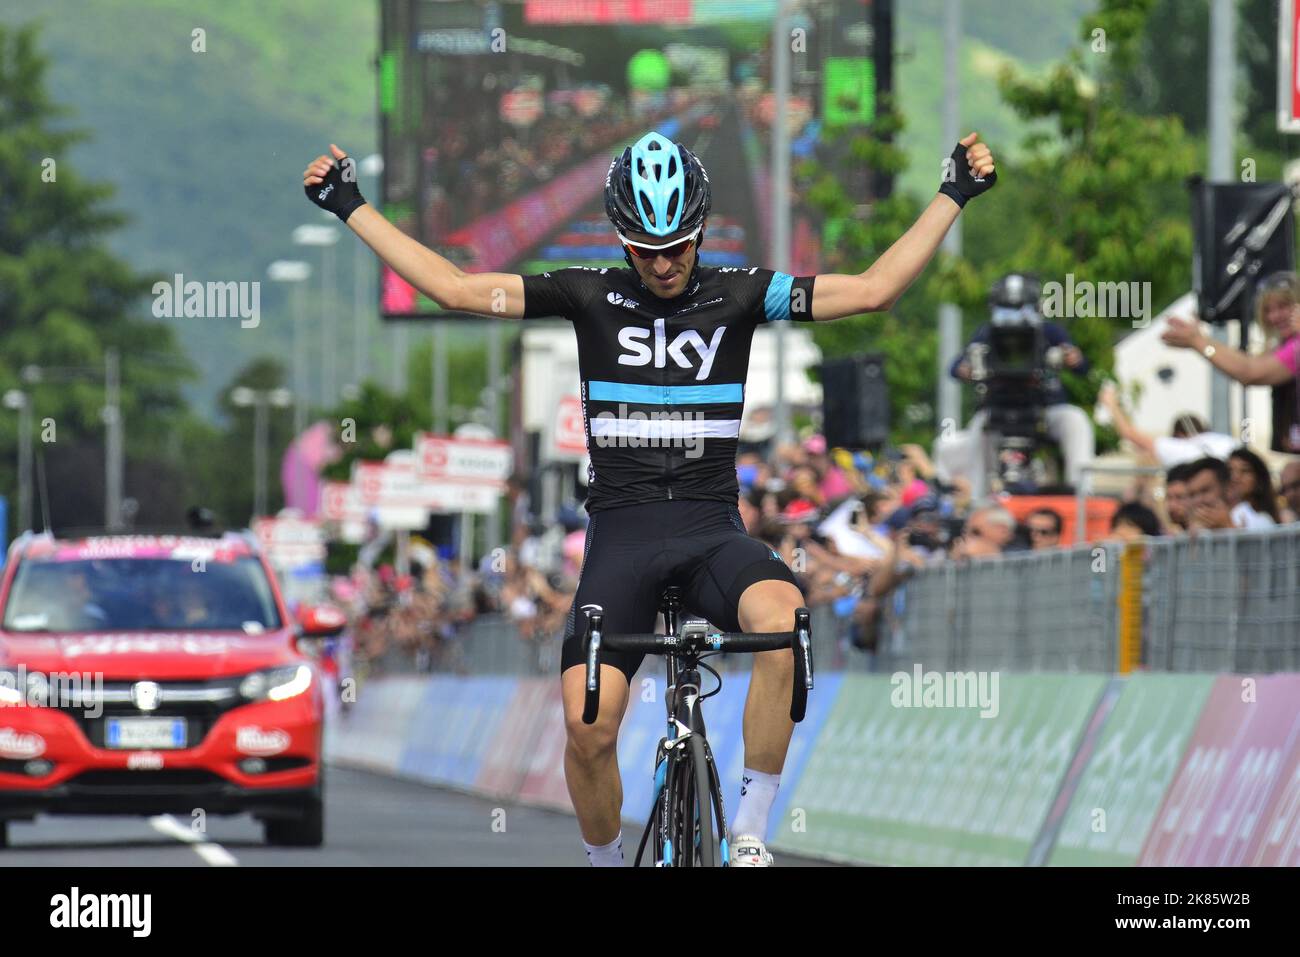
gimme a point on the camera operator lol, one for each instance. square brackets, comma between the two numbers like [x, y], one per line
[1013, 356]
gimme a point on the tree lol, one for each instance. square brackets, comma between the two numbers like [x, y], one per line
[65, 300]
[1104, 189]
[854, 235]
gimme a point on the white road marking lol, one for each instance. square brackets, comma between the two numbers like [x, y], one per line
[214, 854]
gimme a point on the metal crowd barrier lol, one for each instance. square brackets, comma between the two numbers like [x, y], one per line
[1219, 602]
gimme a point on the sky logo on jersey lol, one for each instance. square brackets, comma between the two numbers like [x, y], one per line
[632, 338]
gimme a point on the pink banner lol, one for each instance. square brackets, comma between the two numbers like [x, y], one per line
[1214, 811]
[544, 781]
[508, 755]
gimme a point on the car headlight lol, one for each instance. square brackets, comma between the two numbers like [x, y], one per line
[276, 684]
[24, 688]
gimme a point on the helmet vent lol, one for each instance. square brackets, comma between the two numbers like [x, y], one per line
[646, 211]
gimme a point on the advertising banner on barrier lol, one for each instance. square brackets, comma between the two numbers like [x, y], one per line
[456, 720]
[1128, 769]
[1277, 839]
[373, 733]
[543, 781]
[922, 772]
[644, 723]
[1231, 770]
[508, 754]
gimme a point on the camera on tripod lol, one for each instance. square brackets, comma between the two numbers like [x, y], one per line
[1012, 373]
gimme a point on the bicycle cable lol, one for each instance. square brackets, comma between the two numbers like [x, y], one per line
[709, 669]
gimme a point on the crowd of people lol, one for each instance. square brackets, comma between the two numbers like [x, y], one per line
[853, 526]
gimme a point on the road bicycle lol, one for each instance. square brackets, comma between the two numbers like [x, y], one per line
[688, 821]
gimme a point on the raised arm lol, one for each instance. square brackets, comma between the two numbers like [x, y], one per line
[331, 185]
[1109, 398]
[1245, 368]
[879, 287]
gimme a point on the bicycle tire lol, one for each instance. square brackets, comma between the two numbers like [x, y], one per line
[704, 811]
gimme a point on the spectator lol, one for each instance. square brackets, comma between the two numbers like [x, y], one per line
[989, 530]
[1189, 439]
[1044, 526]
[1207, 487]
[1133, 522]
[1251, 486]
[1289, 486]
[1177, 499]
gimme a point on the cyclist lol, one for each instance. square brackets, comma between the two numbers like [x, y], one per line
[663, 352]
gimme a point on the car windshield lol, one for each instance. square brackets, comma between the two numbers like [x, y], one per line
[140, 594]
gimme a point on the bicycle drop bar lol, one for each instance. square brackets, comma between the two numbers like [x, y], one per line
[695, 639]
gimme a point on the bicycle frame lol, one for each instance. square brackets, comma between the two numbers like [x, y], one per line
[686, 745]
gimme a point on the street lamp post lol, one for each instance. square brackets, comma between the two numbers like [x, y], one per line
[295, 272]
[362, 302]
[259, 400]
[324, 237]
[21, 402]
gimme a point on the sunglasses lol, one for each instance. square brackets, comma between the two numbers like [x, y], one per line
[678, 247]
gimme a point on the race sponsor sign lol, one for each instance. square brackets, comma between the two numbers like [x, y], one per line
[543, 782]
[507, 758]
[469, 461]
[568, 436]
[1234, 763]
[290, 542]
[374, 732]
[1128, 770]
[932, 785]
[451, 731]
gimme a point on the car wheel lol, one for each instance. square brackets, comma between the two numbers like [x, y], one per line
[306, 829]
[4, 834]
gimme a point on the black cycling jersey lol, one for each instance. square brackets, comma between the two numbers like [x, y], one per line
[663, 380]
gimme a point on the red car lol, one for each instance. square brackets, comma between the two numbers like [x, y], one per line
[158, 675]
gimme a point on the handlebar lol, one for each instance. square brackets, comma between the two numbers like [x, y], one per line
[696, 639]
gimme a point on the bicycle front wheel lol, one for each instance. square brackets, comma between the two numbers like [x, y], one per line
[698, 795]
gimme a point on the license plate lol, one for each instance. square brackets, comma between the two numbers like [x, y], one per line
[151, 733]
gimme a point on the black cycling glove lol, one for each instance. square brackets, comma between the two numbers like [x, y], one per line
[958, 184]
[338, 193]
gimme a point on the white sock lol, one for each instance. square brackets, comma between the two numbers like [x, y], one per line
[757, 793]
[608, 855]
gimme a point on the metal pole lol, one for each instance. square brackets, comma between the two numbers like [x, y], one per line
[360, 345]
[399, 358]
[331, 341]
[780, 253]
[949, 391]
[113, 458]
[299, 363]
[441, 375]
[492, 528]
[25, 464]
[1223, 28]
[259, 455]
[466, 541]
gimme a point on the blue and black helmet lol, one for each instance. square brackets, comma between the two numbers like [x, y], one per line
[656, 186]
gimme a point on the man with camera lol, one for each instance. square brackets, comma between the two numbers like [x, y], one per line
[1013, 360]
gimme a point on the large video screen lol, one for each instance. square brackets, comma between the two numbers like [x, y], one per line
[499, 120]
